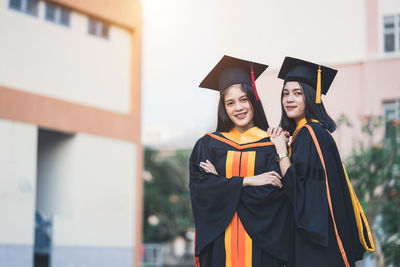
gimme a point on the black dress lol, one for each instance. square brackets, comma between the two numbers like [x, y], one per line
[237, 226]
[318, 238]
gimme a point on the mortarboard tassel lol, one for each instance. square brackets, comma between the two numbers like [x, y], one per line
[253, 81]
[318, 96]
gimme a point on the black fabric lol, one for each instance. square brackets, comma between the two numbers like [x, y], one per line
[294, 69]
[313, 240]
[229, 71]
[214, 255]
[263, 210]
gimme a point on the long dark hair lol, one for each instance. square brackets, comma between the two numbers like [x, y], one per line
[225, 124]
[312, 111]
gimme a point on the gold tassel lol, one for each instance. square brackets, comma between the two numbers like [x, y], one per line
[318, 96]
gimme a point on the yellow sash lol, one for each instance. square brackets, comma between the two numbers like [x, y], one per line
[358, 211]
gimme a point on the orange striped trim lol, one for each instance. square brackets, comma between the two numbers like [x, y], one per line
[339, 241]
[196, 259]
[238, 244]
[228, 247]
[248, 164]
[239, 147]
[234, 240]
[236, 163]
[241, 244]
[249, 251]
[244, 165]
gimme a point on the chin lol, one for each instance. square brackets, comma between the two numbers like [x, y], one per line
[241, 123]
[291, 115]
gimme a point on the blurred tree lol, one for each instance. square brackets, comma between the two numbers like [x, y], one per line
[167, 210]
[374, 173]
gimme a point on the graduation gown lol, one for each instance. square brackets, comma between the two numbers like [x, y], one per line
[237, 226]
[324, 229]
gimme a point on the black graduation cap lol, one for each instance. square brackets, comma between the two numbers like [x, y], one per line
[317, 76]
[231, 70]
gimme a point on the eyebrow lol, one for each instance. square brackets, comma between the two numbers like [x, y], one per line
[295, 89]
[230, 99]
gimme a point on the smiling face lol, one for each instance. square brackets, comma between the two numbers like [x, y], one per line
[293, 100]
[238, 108]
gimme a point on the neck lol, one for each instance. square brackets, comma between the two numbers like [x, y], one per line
[243, 129]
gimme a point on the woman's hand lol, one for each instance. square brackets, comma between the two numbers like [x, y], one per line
[272, 178]
[208, 167]
[275, 131]
[279, 138]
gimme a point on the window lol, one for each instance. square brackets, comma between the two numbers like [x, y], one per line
[392, 117]
[26, 6]
[391, 29]
[98, 28]
[57, 14]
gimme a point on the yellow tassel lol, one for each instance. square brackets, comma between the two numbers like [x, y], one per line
[318, 96]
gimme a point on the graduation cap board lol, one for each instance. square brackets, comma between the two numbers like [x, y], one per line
[231, 70]
[317, 76]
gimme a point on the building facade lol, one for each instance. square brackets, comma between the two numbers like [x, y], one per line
[70, 151]
[367, 84]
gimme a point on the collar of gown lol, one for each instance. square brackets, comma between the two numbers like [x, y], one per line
[251, 135]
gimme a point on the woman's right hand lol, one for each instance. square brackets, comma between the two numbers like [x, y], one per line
[272, 178]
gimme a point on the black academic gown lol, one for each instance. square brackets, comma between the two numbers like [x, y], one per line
[219, 203]
[313, 239]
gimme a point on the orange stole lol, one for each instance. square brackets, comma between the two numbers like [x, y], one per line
[238, 244]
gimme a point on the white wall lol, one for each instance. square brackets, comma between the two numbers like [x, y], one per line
[44, 58]
[323, 31]
[91, 191]
[179, 48]
[17, 182]
[389, 7]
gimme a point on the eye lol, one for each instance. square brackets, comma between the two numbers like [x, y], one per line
[243, 100]
[298, 93]
[285, 93]
[229, 104]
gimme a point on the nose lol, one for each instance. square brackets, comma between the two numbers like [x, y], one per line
[289, 98]
[238, 106]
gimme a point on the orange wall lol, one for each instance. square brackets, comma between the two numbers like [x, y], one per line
[125, 13]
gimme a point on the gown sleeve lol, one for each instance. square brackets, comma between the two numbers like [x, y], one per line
[214, 198]
[305, 185]
[264, 211]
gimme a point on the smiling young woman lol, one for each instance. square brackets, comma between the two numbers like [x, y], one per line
[238, 108]
[239, 209]
[329, 225]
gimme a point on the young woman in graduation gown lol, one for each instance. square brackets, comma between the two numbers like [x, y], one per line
[329, 227]
[239, 209]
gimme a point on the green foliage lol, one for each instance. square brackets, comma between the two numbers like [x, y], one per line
[374, 172]
[166, 195]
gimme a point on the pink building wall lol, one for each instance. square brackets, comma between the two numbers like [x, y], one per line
[358, 90]
[372, 26]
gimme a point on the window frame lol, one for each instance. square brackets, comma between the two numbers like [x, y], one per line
[392, 106]
[395, 31]
[98, 28]
[24, 7]
[58, 11]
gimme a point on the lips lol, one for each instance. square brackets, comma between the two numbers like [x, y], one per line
[290, 107]
[241, 115]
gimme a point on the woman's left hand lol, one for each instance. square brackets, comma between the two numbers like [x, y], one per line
[279, 138]
[208, 167]
[275, 131]
[280, 142]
